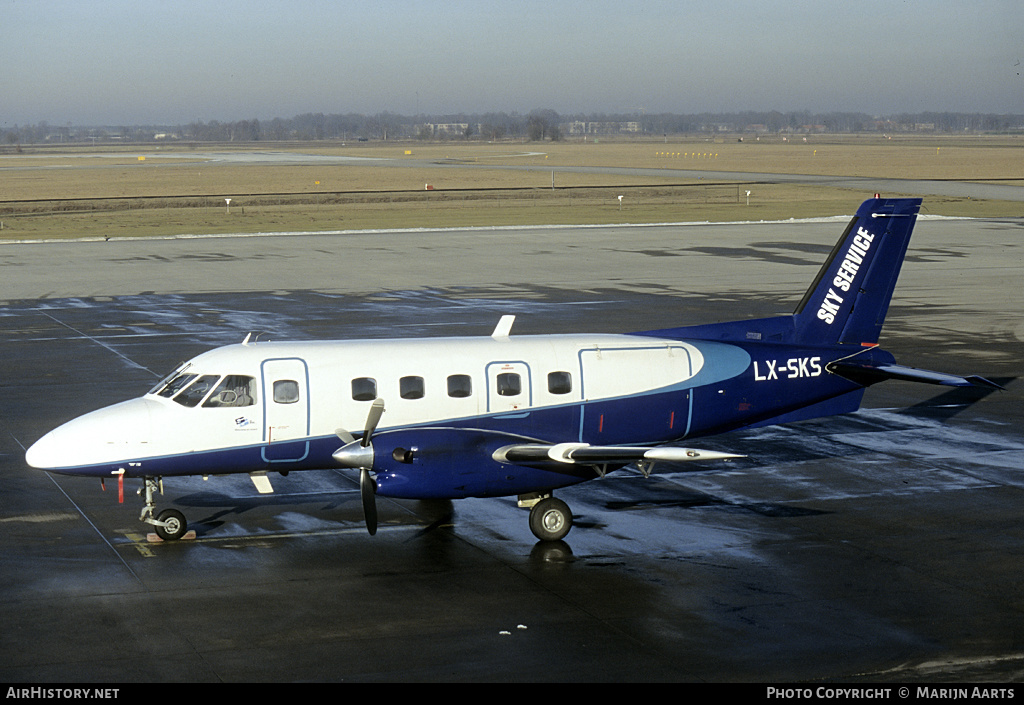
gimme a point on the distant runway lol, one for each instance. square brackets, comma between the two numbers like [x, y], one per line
[883, 546]
[863, 184]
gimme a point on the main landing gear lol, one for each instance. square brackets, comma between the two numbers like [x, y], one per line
[550, 518]
[170, 524]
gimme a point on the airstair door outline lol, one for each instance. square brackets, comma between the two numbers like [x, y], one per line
[285, 410]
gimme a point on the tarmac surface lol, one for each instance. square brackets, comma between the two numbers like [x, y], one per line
[882, 546]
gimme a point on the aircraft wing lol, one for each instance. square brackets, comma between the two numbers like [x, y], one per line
[868, 373]
[586, 454]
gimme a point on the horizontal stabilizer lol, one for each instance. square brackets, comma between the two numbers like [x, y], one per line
[596, 455]
[867, 374]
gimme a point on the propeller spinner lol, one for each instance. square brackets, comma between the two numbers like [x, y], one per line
[359, 454]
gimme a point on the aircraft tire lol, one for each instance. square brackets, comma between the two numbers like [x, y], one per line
[176, 526]
[550, 519]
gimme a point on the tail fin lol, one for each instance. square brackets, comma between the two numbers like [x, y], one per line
[849, 298]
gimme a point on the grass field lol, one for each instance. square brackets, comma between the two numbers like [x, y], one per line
[47, 193]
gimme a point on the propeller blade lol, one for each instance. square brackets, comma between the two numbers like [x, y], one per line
[360, 455]
[372, 419]
[367, 490]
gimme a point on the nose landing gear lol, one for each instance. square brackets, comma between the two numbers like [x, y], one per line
[170, 524]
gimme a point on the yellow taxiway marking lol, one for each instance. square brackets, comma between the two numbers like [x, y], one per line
[41, 517]
[139, 542]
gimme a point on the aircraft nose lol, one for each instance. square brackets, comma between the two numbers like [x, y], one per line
[114, 434]
[43, 454]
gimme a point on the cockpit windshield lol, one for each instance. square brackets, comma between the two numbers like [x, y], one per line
[195, 392]
[189, 389]
[175, 385]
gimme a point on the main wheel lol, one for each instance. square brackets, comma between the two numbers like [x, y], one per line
[174, 525]
[550, 519]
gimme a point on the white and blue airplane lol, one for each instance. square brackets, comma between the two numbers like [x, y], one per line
[505, 415]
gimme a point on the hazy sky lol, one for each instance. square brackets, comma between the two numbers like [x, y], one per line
[133, 62]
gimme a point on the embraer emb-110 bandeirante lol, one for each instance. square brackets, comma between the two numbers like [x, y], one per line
[505, 415]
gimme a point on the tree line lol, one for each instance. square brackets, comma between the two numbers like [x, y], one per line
[537, 125]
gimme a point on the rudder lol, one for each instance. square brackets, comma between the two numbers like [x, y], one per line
[847, 302]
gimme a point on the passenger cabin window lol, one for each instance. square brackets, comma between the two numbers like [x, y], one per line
[195, 392]
[509, 384]
[559, 382]
[286, 391]
[364, 389]
[234, 390]
[460, 386]
[410, 387]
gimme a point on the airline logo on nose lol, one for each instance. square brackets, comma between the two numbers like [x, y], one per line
[845, 275]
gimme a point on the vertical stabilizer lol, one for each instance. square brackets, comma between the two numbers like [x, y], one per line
[849, 298]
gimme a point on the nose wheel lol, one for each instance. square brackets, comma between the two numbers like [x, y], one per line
[170, 524]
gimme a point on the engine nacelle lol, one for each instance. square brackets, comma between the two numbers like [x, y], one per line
[452, 463]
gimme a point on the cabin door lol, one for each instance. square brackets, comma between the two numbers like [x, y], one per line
[634, 395]
[285, 410]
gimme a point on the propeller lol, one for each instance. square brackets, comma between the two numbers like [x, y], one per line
[367, 491]
[359, 454]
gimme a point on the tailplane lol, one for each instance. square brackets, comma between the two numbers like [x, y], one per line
[849, 298]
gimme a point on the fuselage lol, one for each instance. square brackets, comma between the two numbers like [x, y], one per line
[283, 406]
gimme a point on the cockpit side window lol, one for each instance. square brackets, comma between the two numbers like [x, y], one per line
[234, 390]
[195, 392]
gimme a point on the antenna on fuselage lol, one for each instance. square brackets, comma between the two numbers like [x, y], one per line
[504, 327]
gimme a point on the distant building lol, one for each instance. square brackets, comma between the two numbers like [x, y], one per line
[447, 129]
[608, 127]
